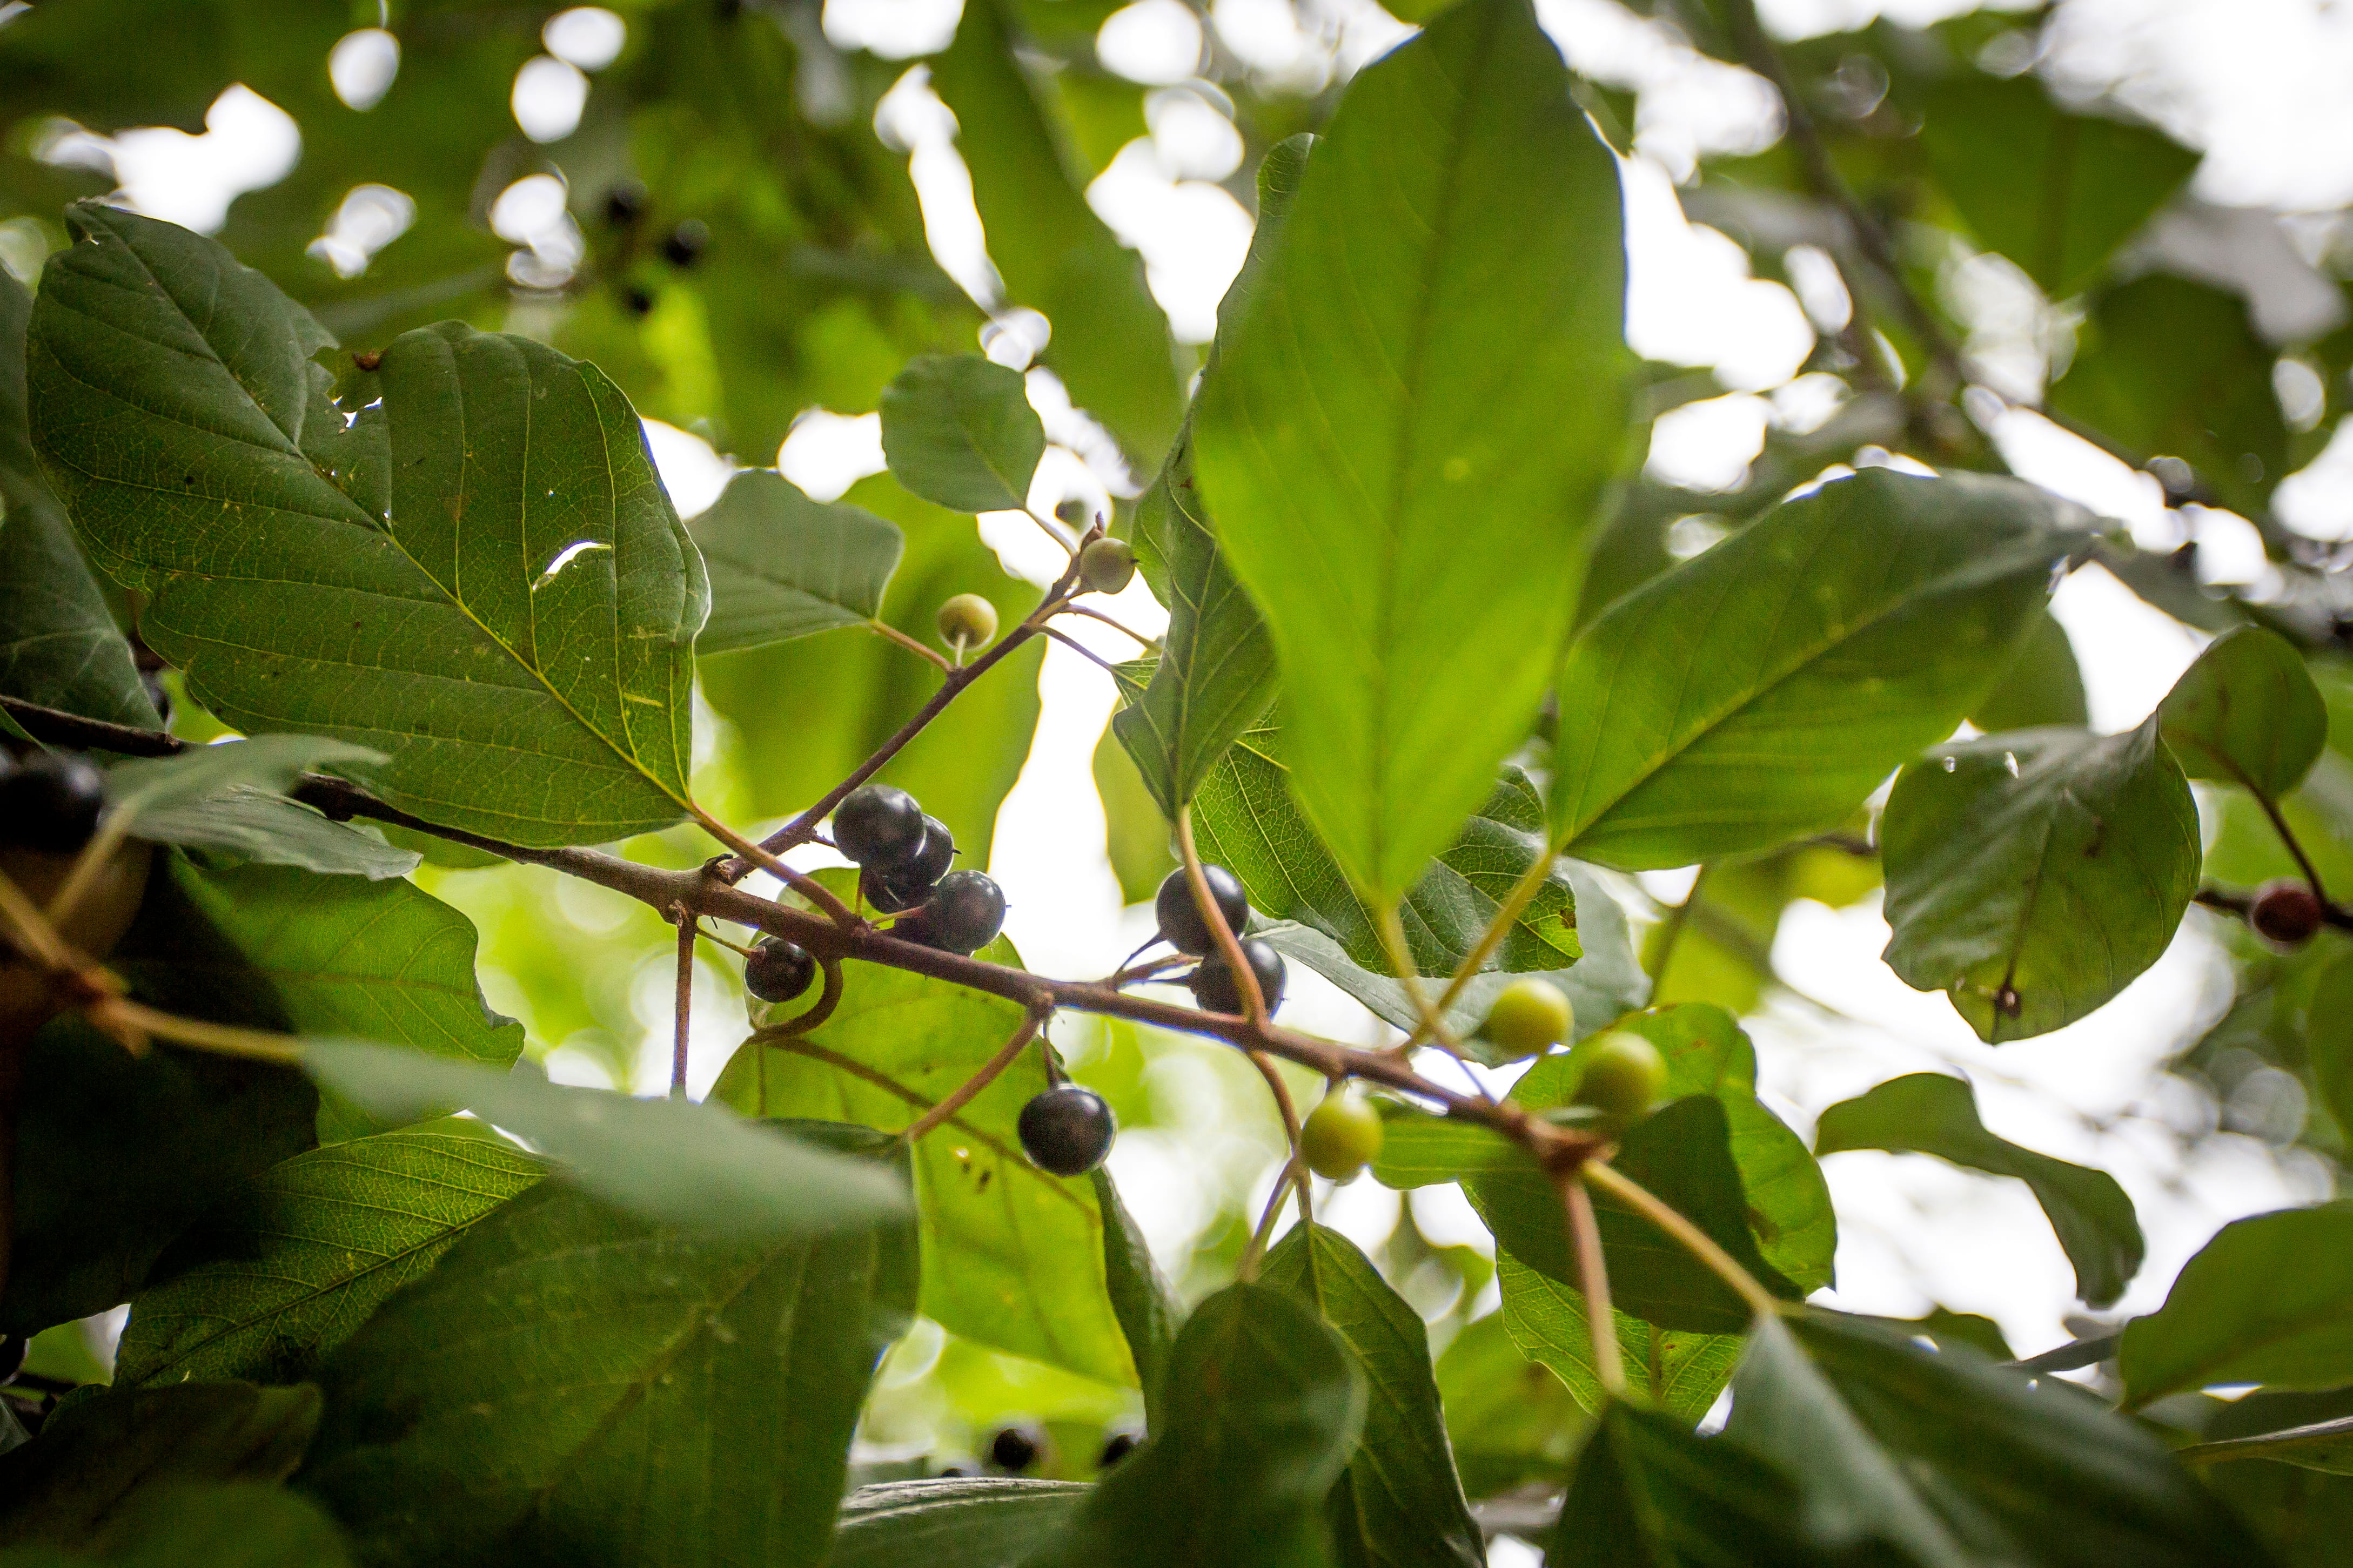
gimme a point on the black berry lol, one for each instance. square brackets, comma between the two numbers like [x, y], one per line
[1180, 919]
[1214, 986]
[684, 244]
[625, 204]
[1117, 1447]
[2288, 913]
[895, 892]
[1067, 1129]
[965, 913]
[1014, 1449]
[879, 826]
[778, 970]
[51, 802]
[637, 301]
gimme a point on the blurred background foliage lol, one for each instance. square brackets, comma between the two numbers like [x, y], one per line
[749, 213]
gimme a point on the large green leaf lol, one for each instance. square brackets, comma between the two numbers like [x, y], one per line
[696, 1408]
[1762, 690]
[1215, 677]
[2043, 685]
[2247, 712]
[2328, 1037]
[1648, 1494]
[1510, 1420]
[274, 1279]
[2056, 193]
[241, 1524]
[282, 949]
[109, 1451]
[1265, 1406]
[2269, 1299]
[117, 1154]
[1677, 1371]
[975, 1522]
[1399, 1501]
[268, 761]
[2033, 876]
[58, 643]
[672, 1162]
[482, 578]
[782, 566]
[229, 798]
[1247, 820]
[958, 431]
[1147, 1312]
[1013, 1257]
[2167, 367]
[1111, 344]
[1404, 449]
[1930, 1113]
[1958, 1462]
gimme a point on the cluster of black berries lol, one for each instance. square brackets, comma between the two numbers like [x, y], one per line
[1022, 1447]
[1213, 984]
[904, 858]
[51, 802]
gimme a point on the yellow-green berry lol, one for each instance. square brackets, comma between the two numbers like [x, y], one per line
[1623, 1076]
[1107, 565]
[1342, 1135]
[968, 621]
[1528, 1017]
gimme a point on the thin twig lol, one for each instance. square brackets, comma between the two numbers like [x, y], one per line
[1081, 649]
[1433, 1028]
[682, 1004]
[1671, 930]
[800, 882]
[1123, 629]
[1507, 915]
[1229, 946]
[1692, 1239]
[1005, 1057]
[1246, 1270]
[1593, 1277]
[1288, 1110]
[931, 655]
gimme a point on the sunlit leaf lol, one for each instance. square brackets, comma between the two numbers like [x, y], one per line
[2247, 714]
[958, 431]
[1676, 1371]
[782, 566]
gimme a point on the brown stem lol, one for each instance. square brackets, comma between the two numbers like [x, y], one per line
[1296, 1170]
[1593, 1277]
[1081, 649]
[1005, 1057]
[885, 629]
[800, 882]
[1123, 629]
[1229, 946]
[682, 1004]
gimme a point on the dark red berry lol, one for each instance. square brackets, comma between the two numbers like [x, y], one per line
[684, 244]
[1067, 1129]
[1214, 986]
[879, 827]
[1180, 918]
[51, 802]
[778, 970]
[963, 914]
[2288, 913]
[1014, 1449]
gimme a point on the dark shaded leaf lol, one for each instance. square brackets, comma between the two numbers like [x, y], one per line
[2323, 1445]
[1510, 1420]
[2269, 1299]
[242, 1524]
[2044, 686]
[2247, 712]
[1148, 1313]
[978, 1521]
[1648, 1494]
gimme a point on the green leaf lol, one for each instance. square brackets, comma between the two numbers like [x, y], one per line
[1401, 1501]
[240, 1525]
[1265, 1407]
[1648, 1494]
[103, 1453]
[2328, 1037]
[1404, 450]
[2247, 712]
[270, 762]
[1148, 1313]
[2322, 1446]
[1958, 1462]
[60, 647]
[1675, 1371]
[116, 1154]
[1762, 690]
[270, 1282]
[2033, 876]
[698, 1167]
[1511, 1421]
[958, 431]
[2056, 193]
[1929, 1113]
[2269, 1299]
[242, 823]
[2169, 367]
[1601, 986]
[783, 566]
[481, 578]
[2045, 685]
[975, 1522]
[697, 1407]
[275, 948]
[1110, 345]
[1683, 1155]
[1014, 1257]
[1215, 677]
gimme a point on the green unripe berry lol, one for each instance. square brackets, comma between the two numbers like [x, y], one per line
[1342, 1136]
[968, 621]
[1528, 1017]
[1624, 1075]
[1107, 565]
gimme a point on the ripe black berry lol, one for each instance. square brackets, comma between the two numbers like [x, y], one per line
[684, 244]
[625, 204]
[1117, 1447]
[895, 892]
[965, 911]
[1214, 988]
[2288, 913]
[778, 970]
[1067, 1129]
[1180, 919]
[51, 802]
[1016, 1449]
[879, 826]
[637, 301]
